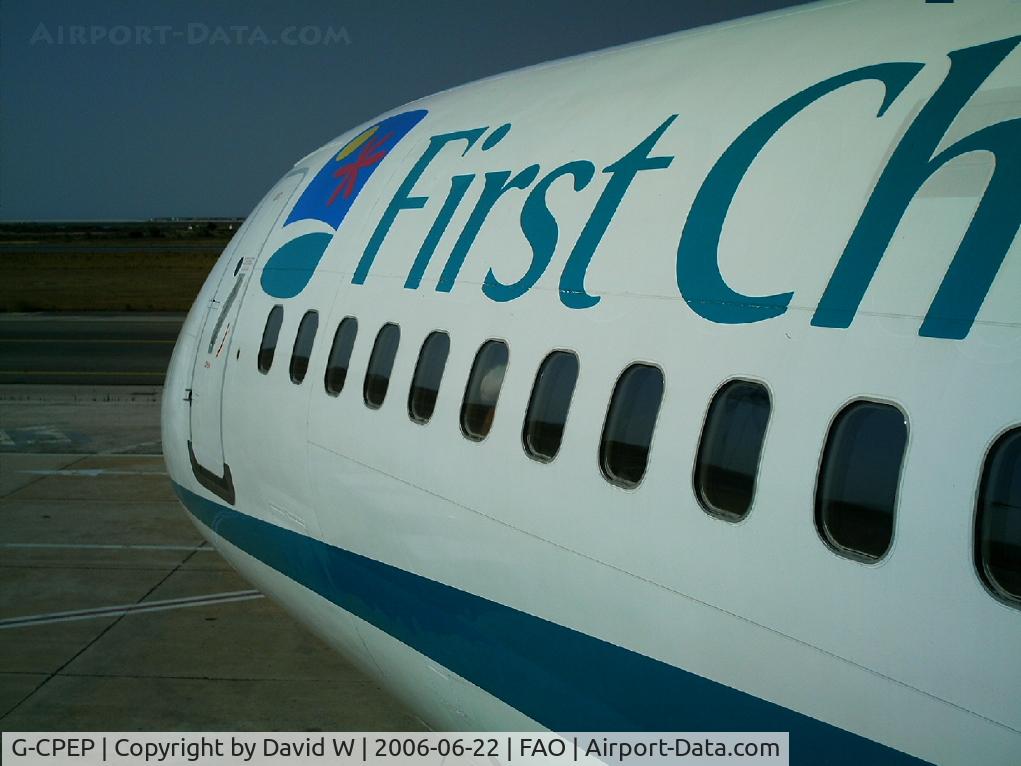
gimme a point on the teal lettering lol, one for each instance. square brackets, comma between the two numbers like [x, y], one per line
[698, 270]
[458, 186]
[403, 200]
[991, 231]
[540, 229]
[496, 137]
[623, 172]
[497, 184]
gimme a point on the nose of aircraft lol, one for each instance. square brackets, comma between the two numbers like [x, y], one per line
[174, 412]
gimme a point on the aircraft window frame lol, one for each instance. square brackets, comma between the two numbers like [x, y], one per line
[716, 433]
[347, 349]
[609, 473]
[822, 523]
[416, 379]
[298, 369]
[271, 333]
[473, 389]
[539, 383]
[375, 359]
[1008, 441]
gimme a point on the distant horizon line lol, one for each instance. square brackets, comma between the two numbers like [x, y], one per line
[162, 219]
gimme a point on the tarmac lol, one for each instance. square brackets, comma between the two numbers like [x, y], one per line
[114, 613]
[87, 349]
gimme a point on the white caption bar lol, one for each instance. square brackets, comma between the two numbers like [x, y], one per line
[395, 749]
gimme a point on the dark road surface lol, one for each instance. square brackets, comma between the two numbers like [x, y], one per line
[76, 248]
[102, 349]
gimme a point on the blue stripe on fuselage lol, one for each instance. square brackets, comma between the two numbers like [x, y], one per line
[564, 679]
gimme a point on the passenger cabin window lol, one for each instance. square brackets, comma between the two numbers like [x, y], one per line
[340, 355]
[547, 409]
[303, 345]
[627, 432]
[377, 377]
[998, 522]
[728, 454]
[483, 390]
[425, 385]
[270, 334]
[857, 491]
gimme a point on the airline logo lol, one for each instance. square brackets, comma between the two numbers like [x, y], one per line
[330, 195]
[328, 198]
[700, 282]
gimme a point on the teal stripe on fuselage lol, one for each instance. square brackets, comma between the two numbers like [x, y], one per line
[564, 679]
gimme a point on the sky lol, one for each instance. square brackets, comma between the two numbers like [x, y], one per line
[137, 109]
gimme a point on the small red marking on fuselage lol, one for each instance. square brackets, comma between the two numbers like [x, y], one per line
[368, 156]
[222, 341]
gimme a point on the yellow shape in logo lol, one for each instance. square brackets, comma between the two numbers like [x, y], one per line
[355, 142]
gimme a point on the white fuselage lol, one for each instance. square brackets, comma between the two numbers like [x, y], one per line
[490, 590]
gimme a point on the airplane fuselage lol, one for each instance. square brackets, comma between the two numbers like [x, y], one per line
[720, 262]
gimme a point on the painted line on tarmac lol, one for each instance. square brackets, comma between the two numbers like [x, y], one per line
[121, 374]
[58, 316]
[85, 340]
[90, 472]
[103, 547]
[126, 609]
[80, 455]
[124, 450]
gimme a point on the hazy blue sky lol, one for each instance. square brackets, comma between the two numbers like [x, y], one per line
[138, 109]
